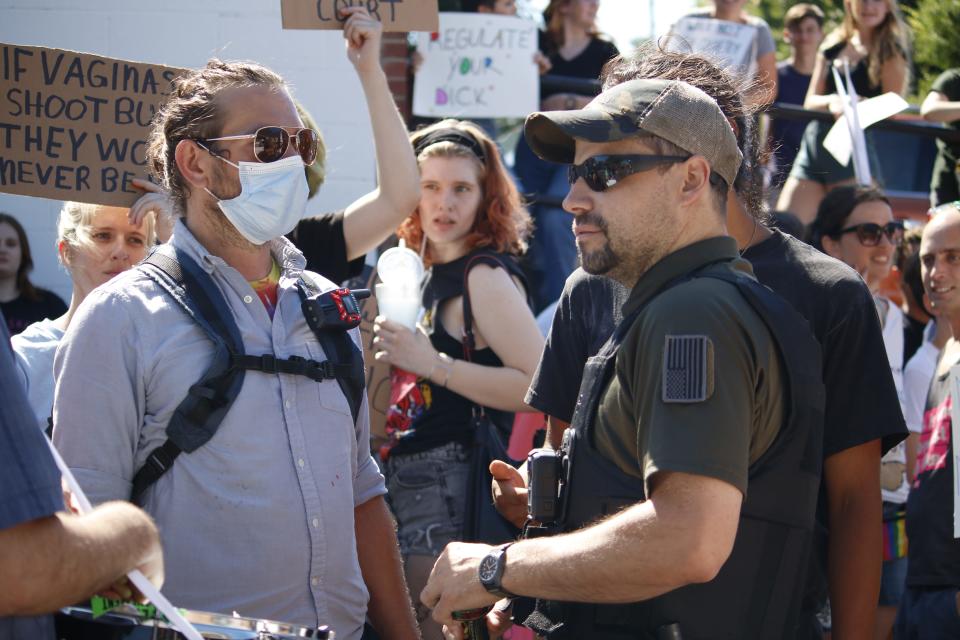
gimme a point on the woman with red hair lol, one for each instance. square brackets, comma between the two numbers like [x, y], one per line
[471, 225]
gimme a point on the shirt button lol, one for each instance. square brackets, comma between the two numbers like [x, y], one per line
[314, 581]
[286, 403]
[300, 463]
[316, 523]
[248, 299]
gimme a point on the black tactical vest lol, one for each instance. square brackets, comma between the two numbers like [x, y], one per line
[757, 593]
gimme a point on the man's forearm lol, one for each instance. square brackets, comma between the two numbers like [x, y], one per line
[374, 216]
[941, 111]
[640, 553]
[55, 561]
[397, 171]
[389, 609]
[855, 544]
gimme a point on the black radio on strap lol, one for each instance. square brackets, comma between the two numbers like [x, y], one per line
[198, 416]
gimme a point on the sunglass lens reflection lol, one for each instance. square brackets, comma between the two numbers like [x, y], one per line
[307, 143]
[270, 144]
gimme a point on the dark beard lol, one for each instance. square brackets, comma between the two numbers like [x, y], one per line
[602, 260]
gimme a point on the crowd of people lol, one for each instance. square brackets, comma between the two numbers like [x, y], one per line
[747, 431]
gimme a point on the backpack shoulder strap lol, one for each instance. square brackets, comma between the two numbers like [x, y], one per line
[194, 290]
[199, 415]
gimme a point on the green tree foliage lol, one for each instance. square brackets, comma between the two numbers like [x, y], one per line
[936, 45]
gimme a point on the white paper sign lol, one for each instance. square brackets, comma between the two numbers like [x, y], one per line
[732, 44]
[838, 141]
[477, 66]
[954, 439]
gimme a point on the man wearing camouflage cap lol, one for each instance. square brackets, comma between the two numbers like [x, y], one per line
[692, 465]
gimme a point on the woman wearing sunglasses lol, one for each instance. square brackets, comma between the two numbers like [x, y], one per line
[855, 225]
[469, 211]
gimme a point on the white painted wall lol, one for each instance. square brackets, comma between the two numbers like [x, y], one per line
[185, 33]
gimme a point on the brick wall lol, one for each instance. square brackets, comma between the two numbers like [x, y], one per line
[396, 64]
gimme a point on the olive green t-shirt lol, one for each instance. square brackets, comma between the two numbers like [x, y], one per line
[697, 382]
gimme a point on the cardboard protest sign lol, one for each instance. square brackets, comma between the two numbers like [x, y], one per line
[732, 44]
[477, 66]
[74, 126]
[396, 15]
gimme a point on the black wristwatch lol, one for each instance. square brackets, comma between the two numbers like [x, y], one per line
[491, 571]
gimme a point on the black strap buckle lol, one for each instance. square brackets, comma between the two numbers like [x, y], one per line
[318, 371]
[268, 363]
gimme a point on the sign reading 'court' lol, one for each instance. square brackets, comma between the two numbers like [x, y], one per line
[396, 15]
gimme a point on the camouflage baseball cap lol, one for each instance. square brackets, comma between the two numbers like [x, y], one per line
[670, 109]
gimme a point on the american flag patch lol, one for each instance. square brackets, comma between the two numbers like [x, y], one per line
[687, 369]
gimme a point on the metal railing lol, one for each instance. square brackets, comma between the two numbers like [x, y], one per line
[908, 123]
[551, 83]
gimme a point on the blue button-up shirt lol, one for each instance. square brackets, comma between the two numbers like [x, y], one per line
[260, 520]
[29, 479]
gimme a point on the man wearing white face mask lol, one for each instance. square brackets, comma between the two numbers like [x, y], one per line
[271, 506]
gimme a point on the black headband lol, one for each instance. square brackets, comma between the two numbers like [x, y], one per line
[455, 136]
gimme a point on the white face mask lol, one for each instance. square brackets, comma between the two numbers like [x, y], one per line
[272, 200]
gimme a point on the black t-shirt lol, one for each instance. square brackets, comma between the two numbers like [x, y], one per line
[843, 317]
[944, 180]
[859, 74]
[321, 240]
[22, 312]
[933, 551]
[587, 312]
[586, 65]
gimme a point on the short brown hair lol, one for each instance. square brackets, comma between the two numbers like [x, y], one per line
[800, 12]
[192, 112]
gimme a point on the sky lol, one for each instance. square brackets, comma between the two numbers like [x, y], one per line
[625, 20]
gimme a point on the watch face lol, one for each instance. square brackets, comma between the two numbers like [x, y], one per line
[488, 569]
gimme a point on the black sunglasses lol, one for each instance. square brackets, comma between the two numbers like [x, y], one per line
[869, 233]
[270, 143]
[602, 172]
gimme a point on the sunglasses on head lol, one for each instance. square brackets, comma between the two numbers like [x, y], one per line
[869, 233]
[602, 172]
[270, 143]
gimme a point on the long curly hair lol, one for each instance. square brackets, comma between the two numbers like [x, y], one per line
[503, 222]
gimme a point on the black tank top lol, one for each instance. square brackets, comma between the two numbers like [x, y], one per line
[859, 74]
[431, 415]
